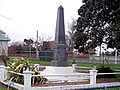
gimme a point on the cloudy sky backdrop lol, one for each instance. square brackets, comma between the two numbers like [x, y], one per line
[24, 17]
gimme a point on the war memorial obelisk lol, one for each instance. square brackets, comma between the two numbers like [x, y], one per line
[59, 64]
[59, 58]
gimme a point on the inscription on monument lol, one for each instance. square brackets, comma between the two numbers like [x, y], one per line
[61, 54]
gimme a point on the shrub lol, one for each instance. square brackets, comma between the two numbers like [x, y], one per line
[22, 65]
[105, 69]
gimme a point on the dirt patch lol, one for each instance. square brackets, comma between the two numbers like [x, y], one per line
[103, 80]
[60, 84]
[107, 80]
[6, 86]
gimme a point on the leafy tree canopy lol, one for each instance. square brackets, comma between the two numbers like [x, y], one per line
[98, 22]
[28, 42]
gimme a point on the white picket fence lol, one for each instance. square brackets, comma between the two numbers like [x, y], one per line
[28, 74]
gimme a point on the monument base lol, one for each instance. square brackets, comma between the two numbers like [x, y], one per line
[56, 74]
[59, 63]
[57, 70]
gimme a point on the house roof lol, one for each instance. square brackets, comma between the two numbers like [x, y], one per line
[51, 44]
[3, 38]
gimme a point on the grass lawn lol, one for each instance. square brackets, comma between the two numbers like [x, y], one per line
[1, 88]
[34, 61]
[48, 63]
[69, 59]
[112, 66]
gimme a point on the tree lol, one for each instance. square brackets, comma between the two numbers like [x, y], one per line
[113, 40]
[29, 43]
[42, 40]
[15, 47]
[79, 39]
[70, 34]
[99, 20]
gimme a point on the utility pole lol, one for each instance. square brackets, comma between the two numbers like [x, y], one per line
[37, 53]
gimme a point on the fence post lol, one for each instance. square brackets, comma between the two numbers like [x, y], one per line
[74, 67]
[105, 88]
[6, 73]
[2, 72]
[27, 80]
[93, 74]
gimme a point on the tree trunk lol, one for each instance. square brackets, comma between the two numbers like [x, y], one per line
[100, 54]
[30, 51]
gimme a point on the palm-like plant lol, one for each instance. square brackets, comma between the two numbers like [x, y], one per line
[22, 65]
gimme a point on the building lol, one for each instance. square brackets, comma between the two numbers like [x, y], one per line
[3, 43]
[47, 45]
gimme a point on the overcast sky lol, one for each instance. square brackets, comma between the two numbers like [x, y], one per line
[25, 17]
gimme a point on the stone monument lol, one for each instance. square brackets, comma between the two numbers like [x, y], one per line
[59, 58]
[59, 62]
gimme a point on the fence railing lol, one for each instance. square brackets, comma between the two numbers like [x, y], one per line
[28, 75]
